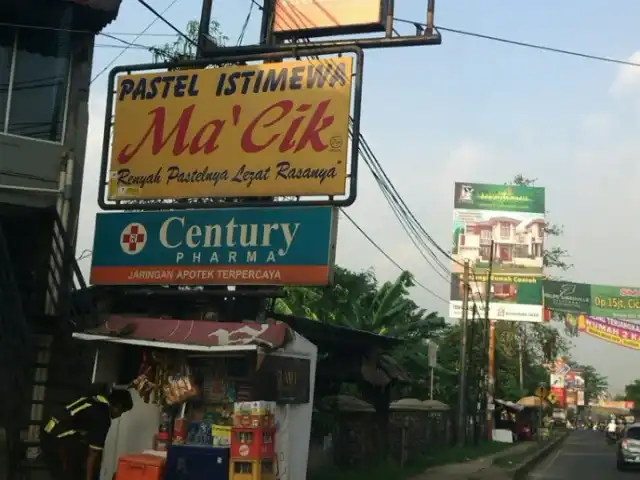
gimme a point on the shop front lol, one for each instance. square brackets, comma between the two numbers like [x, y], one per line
[211, 400]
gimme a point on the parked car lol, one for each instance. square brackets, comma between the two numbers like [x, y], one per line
[628, 453]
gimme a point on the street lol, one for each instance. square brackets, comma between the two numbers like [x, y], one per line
[584, 455]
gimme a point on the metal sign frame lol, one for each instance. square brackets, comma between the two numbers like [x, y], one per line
[276, 54]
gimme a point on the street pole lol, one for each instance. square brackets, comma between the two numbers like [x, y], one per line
[431, 383]
[462, 384]
[203, 27]
[491, 358]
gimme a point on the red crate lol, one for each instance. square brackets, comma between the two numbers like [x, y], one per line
[253, 443]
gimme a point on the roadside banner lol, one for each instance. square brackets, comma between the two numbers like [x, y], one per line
[597, 300]
[612, 330]
[513, 218]
[272, 129]
[247, 246]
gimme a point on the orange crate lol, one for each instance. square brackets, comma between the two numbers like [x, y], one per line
[253, 443]
[140, 467]
[264, 469]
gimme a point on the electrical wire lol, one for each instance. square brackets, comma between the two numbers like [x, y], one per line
[245, 25]
[517, 43]
[493, 38]
[137, 37]
[387, 256]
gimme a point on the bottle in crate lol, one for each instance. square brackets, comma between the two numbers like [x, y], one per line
[253, 443]
[241, 469]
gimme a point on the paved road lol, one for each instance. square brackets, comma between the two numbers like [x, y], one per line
[585, 455]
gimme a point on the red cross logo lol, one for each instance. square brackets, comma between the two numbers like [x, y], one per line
[133, 238]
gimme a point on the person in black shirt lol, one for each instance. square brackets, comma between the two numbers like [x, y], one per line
[74, 438]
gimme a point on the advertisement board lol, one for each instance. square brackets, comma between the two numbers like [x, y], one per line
[256, 130]
[567, 296]
[572, 397]
[275, 246]
[513, 297]
[556, 380]
[328, 17]
[615, 302]
[511, 218]
[581, 402]
[574, 380]
[560, 397]
[612, 330]
[597, 300]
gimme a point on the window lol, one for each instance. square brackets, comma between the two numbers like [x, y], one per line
[505, 230]
[7, 42]
[633, 433]
[34, 76]
[485, 234]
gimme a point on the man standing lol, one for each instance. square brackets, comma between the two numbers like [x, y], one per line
[74, 438]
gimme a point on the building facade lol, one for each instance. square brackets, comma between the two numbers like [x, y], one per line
[46, 50]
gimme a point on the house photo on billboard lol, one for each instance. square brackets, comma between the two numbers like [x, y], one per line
[517, 241]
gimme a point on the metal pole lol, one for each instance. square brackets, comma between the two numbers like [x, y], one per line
[266, 25]
[462, 384]
[203, 27]
[431, 384]
[491, 358]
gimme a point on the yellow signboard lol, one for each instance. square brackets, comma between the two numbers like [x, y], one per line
[552, 398]
[274, 129]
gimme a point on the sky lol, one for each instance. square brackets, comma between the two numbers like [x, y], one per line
[470, 110]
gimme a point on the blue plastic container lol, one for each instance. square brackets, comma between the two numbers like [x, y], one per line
[195, 462]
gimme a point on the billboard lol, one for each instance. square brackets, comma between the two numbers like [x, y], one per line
[257, 130]
[513, 297]
[248, 246]
[597, 300]
[512, 219]
[567, 296]
[328, 17]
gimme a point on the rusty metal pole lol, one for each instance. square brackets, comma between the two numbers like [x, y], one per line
[203, 27]
[491, 360]
[462, 383]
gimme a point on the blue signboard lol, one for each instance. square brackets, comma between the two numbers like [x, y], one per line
[245, 246]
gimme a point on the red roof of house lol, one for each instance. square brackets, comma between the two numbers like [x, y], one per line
[541, 221]
[194, 332]
[494, 220]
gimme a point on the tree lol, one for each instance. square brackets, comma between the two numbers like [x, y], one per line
[554, 257]
[186, 48]
[632, 392]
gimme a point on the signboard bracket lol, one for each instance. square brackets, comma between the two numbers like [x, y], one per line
[231, 56]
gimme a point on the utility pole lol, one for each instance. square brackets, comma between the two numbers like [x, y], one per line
[491, 359]
[203, 27]
[462, 387]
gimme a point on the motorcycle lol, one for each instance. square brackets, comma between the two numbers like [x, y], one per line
[612, 437]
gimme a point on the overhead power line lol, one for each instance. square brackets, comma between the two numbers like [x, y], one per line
[137, 37]
[493, 38]
[387, 256]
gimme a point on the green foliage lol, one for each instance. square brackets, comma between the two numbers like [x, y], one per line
[183, 49]
[632, 392]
